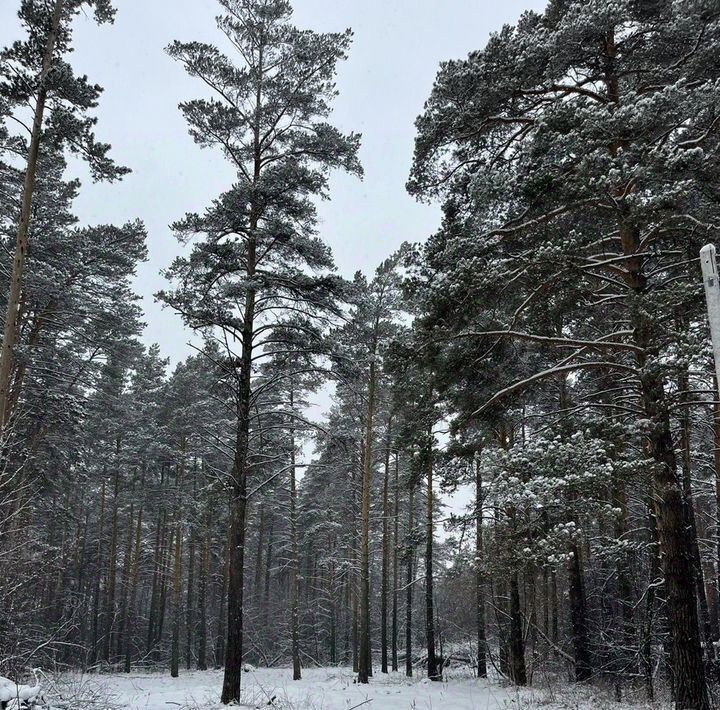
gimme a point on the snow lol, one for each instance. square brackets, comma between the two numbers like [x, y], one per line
[320, 689]
[334, 689]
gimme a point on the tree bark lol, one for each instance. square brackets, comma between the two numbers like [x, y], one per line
[364, 658]
[190, 603]
[294, 612]
[516, 649]
[385, 558]
[133, 593]
[396, 522]
[109, 613]
[409, 583]
[578, 616]
[98, 575]
[157, 570]
[433, 672]
[177, 600]
[268, 571]
[125, 583]
[202, 599]
[479, 575]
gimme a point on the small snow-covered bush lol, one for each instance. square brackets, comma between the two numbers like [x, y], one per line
[70, 691]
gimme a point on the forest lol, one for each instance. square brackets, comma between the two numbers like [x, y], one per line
[515, 486]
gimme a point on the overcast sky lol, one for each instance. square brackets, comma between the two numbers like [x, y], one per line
[395, 55]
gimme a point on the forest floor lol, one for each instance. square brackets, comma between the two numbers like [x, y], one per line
[334, 689]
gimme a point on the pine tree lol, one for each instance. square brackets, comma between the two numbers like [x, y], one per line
[579, 113]
[35, 71]
[259, 255]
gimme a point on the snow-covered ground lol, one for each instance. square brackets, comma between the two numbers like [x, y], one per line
[320, 689]
[332, 689]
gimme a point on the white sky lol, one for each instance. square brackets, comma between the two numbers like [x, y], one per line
[398, 46]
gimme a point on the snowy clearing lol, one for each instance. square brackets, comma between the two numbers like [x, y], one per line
[334, 689]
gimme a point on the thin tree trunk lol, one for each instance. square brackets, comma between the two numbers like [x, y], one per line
[385, 558]
[190, 603]
[578, 616]
[396, 580]
[177, 600]
[517, 647]
[268, 571]
[479, 575]
[294, 612]
[365, 659]
[125, 583]
[133, 592]
[409, 584]
[433, 672]
[646, 657]
[165, 577]
[109, 620]
[222, 605]
[98, 575]
[202, 599]
[154, 594]
[258, 555]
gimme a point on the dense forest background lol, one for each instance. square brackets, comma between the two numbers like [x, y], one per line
[543, 355]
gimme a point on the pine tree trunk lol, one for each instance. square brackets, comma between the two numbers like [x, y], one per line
[517, 647]
[294, 612]
[176, 601]
[133, 592]
[109, 613]
[685, 438]
[98, 575]
[268, 571]
[333, 597]
[396, 580]
[646, 642]
[409, 584]
[678, 574]
[204, 571]
[676, 546]
[385, 560]
[628, 633]
[433, 672]
[364, 659]
[154, 593]
[125, 584]
[258, 555]
[166, 576]
[578, 616]
[235, 568]
[190, 603]
[554, 608]
[502, 616]
[479, 575]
